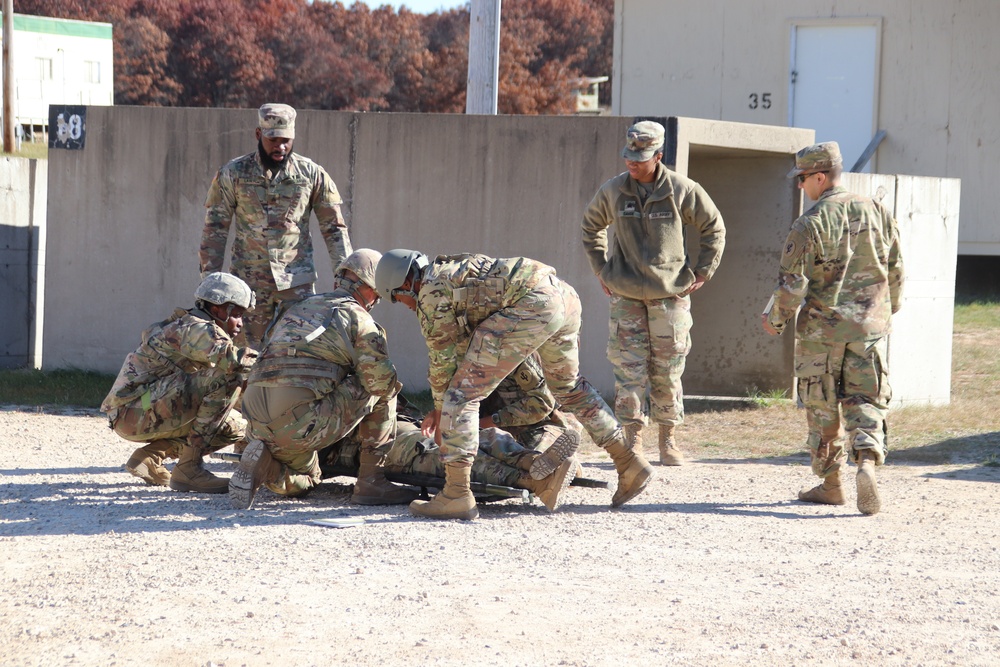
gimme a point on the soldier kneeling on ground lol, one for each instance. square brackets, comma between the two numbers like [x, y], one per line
[324, 372]
[176, 392]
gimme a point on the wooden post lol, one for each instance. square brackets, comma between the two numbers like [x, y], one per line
[484, 57]
[8, 77]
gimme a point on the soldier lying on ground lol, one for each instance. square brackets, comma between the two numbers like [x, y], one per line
[324, 372]
[500, 461]
[177, 390]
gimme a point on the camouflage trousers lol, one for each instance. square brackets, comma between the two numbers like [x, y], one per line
[271, 304]
[496, 462]
[843, 387]
[296, 434]
[546, 319]
[648, 344]
[183, 404]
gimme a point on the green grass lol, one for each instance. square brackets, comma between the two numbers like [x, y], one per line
[39, 151]
[69, 387]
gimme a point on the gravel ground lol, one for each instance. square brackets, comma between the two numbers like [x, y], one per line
[715, 564]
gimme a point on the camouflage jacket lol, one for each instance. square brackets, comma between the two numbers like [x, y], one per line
[647, 257]
[189, 341]
[522, 398]
[272, 221]
[456, 294]
[322, 339]
[842, 263]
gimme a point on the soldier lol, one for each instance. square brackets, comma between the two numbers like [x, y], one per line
[324, 372]
[649, 277]
[177, 390]
[272, 193]
[842, 262]
[481, 318]
[501, 460]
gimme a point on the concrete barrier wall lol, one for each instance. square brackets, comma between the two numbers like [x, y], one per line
[126, 213]
[22, 251]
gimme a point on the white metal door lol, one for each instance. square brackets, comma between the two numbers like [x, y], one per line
[834, 80]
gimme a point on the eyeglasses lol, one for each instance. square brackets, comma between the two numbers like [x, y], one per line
[802, 177]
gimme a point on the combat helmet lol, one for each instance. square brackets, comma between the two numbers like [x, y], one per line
[362, 263]
[393, 269]
[222, 288]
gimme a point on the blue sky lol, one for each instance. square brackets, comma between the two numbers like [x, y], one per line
[419, 6]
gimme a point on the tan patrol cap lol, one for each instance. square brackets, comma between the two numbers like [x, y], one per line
[276, 120]
[818, 157]
[643, 140]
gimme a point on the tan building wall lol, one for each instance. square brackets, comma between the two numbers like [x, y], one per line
[937, 88]
[125, 216]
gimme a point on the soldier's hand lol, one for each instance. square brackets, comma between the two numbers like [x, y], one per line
[246, 358]
[767, 325]
[429, 427]
[699, 282]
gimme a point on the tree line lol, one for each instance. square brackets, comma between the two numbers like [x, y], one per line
[327, 55]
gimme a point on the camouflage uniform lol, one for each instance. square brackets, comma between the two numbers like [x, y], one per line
[323, 373]
[272, 250]
[647, 270]
[523, 406]
[180, 385]
[481, 318]
[841, 262]
[498, 461]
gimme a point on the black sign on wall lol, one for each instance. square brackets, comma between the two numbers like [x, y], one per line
[67, 126]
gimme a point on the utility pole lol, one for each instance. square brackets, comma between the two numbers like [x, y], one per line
[8, 76]
[484, 57]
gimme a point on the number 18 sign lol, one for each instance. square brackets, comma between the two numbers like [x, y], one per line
[67, 126]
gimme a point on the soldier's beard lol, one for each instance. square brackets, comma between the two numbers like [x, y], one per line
[268, 161]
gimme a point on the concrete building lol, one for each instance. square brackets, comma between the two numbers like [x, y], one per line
[59, 61]
[924, 71]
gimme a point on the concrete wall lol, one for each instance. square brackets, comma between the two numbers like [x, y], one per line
[22, 252]
[936, 84]
[126, 214]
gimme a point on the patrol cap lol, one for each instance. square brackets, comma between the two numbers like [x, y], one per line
[642, 141]
[818, 157]
[276, 120]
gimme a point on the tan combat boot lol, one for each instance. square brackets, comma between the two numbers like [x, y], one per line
[827, 493]
[548, 490]
[190, 475]
[869, 501]
[634, 471]
[561, 449]
[146, 462]
[372, 488]
[670, 453]
[257, 467]
[455, 500]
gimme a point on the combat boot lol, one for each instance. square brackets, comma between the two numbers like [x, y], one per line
[634, 471]
[257, 467]
[372, 488]
[827, 493]
[190, 475]
[146, 462]
[561, 449]
[455, 500]
[548, 490]
[869, 501]
[670, 453]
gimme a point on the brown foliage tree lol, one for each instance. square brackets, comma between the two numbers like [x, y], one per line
[141, 54]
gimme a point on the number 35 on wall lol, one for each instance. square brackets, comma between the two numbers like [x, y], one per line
[760, 101]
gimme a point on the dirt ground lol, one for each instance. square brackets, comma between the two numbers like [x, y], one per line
[715, 564]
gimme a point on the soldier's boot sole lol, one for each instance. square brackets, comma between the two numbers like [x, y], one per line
[563, 448]
[442, 507]
[822, 496]
[256, 467]
[869, 501]
[557, 483]
[632, 481]
[148, 468]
